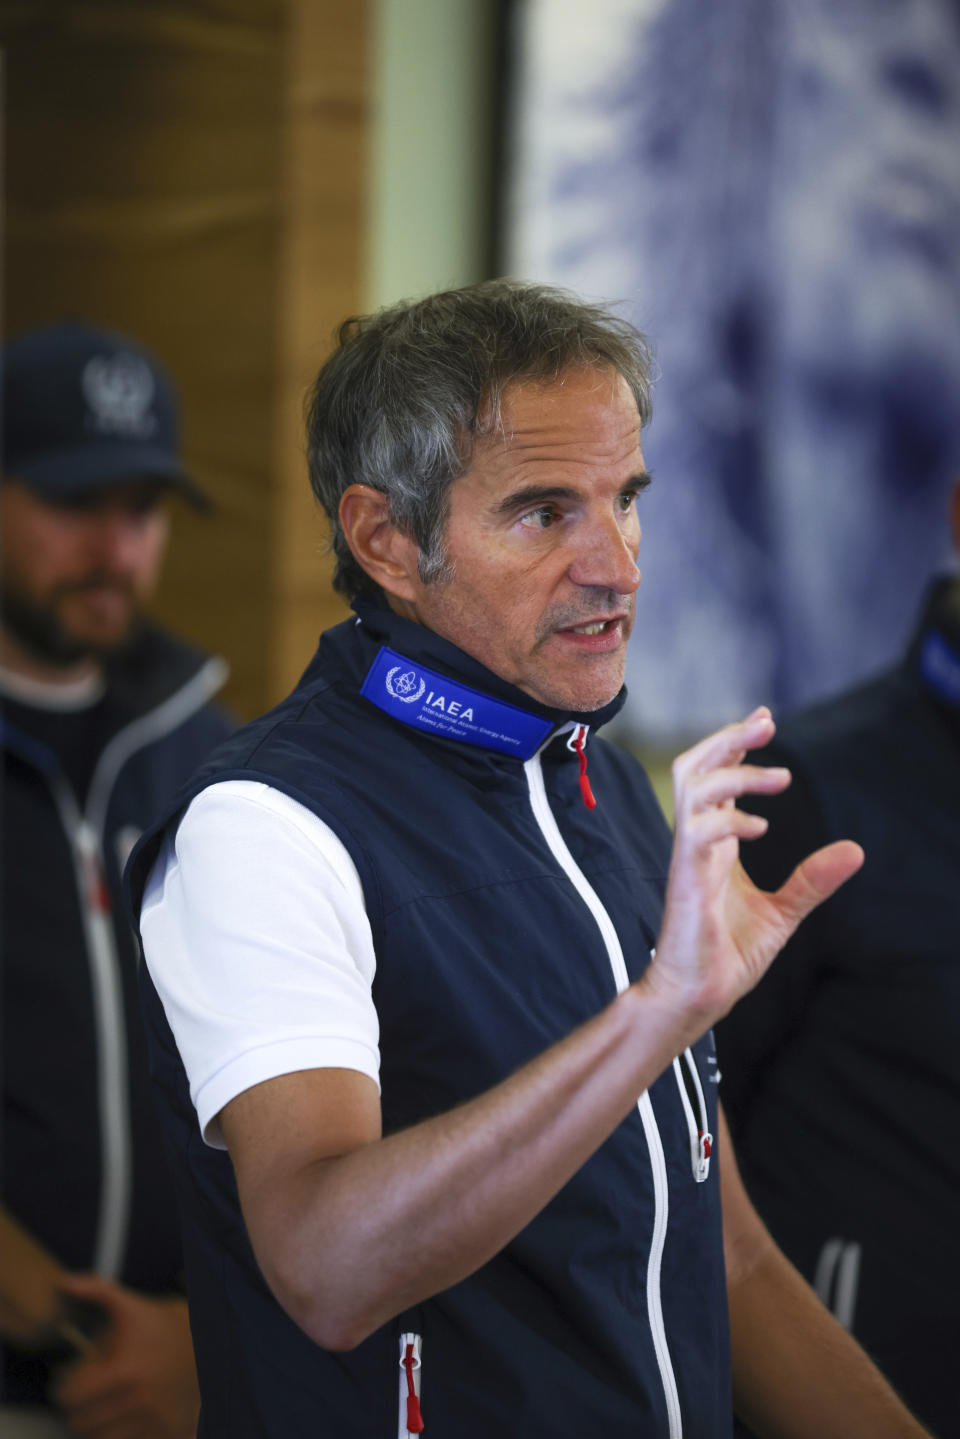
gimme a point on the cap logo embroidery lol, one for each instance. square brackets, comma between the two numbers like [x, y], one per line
[406, 687]
[119, 391]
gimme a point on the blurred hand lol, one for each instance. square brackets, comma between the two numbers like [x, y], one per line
[720, 933]
[140, 1380]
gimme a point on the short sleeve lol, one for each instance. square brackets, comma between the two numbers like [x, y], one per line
[255, 934]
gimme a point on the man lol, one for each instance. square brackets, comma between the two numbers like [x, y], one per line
[402, 933]
[841, 1067]
[104, 716]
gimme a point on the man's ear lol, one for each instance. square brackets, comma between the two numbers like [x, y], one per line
[388, 556]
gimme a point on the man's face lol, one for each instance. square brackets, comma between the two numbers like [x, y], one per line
[76, 574]
[542, 536]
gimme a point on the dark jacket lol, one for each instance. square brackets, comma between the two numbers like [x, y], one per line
[841, 1070]
[486, 955]
[83, 1167]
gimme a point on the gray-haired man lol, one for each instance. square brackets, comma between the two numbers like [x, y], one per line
[460, 1167]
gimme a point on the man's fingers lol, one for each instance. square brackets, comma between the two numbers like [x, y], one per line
[112, 1413]
[817, 877]
[729, 783]
[726, 746]
[705, 830]
[87, 1382]
[92, 1286]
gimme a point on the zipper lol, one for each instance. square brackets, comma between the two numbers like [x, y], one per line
[85, 834]
[691, 1094]
[576, 743]
[410, 1420]
[154, 725]
[557, 845]
[110, 1032]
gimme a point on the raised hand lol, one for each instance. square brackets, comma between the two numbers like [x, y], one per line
[720, 933]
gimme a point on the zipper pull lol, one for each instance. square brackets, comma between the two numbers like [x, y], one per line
[409, 1361]
[705, 1148]
[585, 790]
[98, 896]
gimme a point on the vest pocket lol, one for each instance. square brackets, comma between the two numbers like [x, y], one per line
[695, 1110]
[409, 1417]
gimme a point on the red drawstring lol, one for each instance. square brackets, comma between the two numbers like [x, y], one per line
[414, 1417]
[98, 896]
[585, 789]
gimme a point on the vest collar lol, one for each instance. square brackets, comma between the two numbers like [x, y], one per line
[935, 651]
[504, 719]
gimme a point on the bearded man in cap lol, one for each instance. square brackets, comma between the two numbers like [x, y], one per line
[104, 715]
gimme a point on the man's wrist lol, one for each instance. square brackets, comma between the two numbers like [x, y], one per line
[668, 1009]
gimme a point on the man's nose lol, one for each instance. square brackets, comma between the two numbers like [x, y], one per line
[606, 556]
[118, 541]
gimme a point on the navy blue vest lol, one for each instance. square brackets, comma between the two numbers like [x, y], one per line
[486, 955]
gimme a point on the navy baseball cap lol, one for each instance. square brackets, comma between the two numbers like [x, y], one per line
[84, 409]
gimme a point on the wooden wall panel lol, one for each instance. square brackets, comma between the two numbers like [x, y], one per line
[194, 177]
[326, 124]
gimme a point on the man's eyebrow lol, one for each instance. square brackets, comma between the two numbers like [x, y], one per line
[532, 495]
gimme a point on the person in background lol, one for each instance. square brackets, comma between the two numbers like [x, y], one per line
[841, 1079]
[103, 716]
[430, 988]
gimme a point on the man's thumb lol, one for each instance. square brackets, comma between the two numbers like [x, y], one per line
[817, 877]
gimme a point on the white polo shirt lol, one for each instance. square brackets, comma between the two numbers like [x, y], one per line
[256, 937]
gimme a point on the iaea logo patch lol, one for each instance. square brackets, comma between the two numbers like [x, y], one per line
[408, 688]
[441, 706]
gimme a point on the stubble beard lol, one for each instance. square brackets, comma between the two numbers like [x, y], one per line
[579, 693]
[36, 626]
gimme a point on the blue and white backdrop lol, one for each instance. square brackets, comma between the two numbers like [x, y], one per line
[772, 190]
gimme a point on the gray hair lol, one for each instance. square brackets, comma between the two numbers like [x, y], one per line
[401, 402]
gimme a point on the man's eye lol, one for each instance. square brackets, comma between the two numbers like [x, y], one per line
[628, 500]
[540, 519]
[144, 506]
[86, 502]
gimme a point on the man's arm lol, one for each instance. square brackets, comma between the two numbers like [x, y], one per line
[31, 1311]
[351, 1228]
[797, 1373]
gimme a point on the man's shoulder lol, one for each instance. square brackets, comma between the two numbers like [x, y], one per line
[317, 730]
[868, 718]
[835, 751]
[159, 665]
[861, 762]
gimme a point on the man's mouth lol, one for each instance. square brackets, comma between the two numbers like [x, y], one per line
[593, 626]
[595, 636]
[602, 632]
